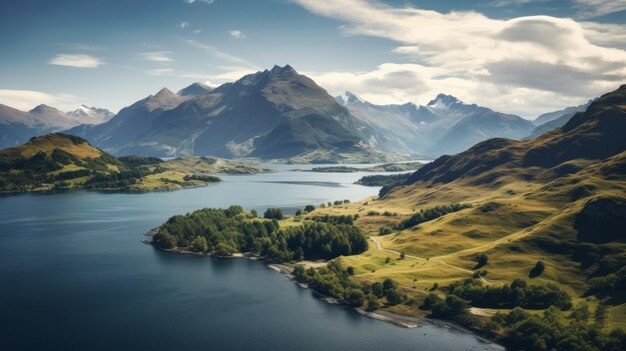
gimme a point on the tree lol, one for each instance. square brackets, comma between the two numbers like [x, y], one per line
[224, 249]
[388, 259]
[299, 254]
[355, 297]
[481, 260]
[199, 244]
[372, 303]
[377, 289]
[309, 208]
[350, 270]
[402, 255]
[389, 284]
[273, 213]
[537, 269]
[394, 297]
[254, 213]
[299, 212]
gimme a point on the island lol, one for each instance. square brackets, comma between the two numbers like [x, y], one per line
[59, 162]
[387, 167]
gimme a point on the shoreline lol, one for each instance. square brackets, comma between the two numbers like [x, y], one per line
[396, 319]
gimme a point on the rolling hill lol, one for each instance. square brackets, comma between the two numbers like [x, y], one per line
[559, 199]
[62, 162]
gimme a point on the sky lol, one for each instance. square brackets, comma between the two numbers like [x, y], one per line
[524, 57]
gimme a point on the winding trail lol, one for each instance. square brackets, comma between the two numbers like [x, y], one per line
[380, 248]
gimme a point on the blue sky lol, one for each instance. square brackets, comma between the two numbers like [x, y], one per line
[516, 56]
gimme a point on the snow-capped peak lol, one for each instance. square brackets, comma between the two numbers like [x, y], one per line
[348, 98]
[443, 101]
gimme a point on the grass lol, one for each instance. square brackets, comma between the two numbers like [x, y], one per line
[508, 220]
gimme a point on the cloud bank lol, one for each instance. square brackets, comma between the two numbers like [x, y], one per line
[524, 65]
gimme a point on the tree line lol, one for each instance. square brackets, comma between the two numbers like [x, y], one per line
[232, 230]
[429, 214]
[336, 281]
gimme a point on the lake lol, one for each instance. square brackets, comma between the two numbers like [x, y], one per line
[75, 276]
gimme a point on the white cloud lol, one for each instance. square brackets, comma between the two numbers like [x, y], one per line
[184, 24]
[237, 34]
[75, 60]
[522, 65]
[161, 57]
[197, 31]
[27, 99]
[596, 8]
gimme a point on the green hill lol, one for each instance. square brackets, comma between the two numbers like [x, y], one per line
[550, 211]
[60, 162]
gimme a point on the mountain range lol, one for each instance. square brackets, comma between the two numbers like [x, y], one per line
[445, 125]
[279, 114]
[272, 114]
[17, 127]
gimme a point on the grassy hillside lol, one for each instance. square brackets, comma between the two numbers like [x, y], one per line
[559, 199]
[59, 162]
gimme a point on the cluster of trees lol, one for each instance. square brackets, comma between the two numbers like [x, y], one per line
[116, 180]
[387, 182]
[384, 180]
[137, 161]
[429, 214]
[226, 231]
[335, 281]
[518, 293]
[523, 331]
[449, 307]
[609, 276]
[335, 219]
[202, 178]
[307, 209]
[273, 213]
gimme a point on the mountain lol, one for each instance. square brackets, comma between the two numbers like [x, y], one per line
[195, 89]
[398, 129]
[446, 125]
[475, 124]
[16, 126]
[130, 124]
[90, 115]
[275, 113]
[552, 120]
[595, 134]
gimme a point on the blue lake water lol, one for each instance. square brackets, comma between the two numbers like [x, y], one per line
[75, 276]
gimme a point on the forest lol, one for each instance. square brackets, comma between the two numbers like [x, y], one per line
[227, 231]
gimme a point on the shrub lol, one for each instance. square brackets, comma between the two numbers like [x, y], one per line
[537, 269]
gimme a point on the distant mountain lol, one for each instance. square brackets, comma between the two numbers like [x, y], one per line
[398, 129]
[271, 114]
[16, 126]
[548, 121]
[475, 124]
[132, 123]
[195, 89]
[90, 115]
[445, 126]
[595, 134]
